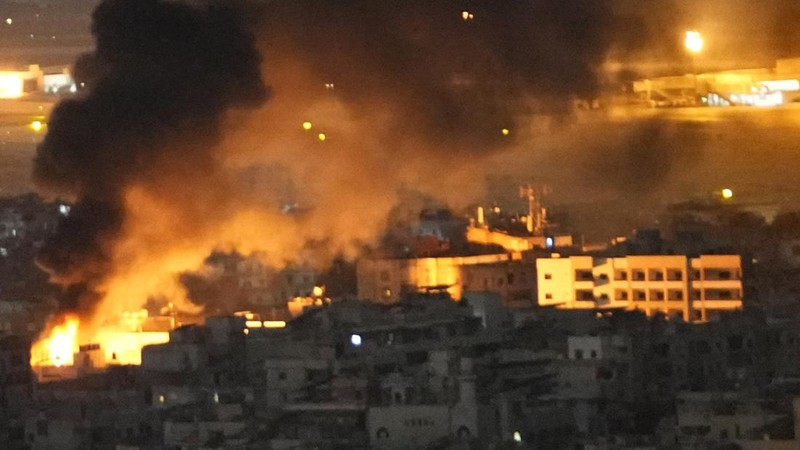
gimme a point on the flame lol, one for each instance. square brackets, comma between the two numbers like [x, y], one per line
[59, 346]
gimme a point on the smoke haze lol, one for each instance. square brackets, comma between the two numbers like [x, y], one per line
[171, 152]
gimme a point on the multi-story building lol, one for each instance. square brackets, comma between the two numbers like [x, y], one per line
[697, 289]
[385, 280]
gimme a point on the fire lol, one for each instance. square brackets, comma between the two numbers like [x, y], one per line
[59, 346]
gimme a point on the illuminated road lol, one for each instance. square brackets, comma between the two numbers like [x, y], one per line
[18, 142]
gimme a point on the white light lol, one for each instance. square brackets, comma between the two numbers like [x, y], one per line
[782, 85]
[216, 397]
[517, 437]
[9, 21]
[3, 252]
[693, 41]
[355, 340]
[64, 209]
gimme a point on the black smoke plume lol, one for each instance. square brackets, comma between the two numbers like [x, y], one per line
[158, 83]
[413, 91]
[457, 71]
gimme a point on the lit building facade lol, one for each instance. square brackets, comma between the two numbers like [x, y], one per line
[694, 288]
[384, 280]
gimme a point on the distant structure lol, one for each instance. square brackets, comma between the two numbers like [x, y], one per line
[696, 289]
[36, 79]
[750, 87]
[536, 234]
[386, 280]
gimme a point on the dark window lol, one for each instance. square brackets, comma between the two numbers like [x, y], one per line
[735, 342]
[548, 276]
[41, 428]
[604, 373]
[578, 354]
[593, 354]
[382, 433]
[510, 278]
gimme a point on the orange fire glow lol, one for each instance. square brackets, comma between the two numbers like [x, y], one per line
[58, 347]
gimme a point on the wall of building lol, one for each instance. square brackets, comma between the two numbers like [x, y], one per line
[694, 289]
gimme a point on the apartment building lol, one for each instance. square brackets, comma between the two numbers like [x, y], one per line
[385, 280]
[697, 289]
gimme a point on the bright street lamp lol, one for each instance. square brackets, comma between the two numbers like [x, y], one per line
[693, 41]
[694, 44]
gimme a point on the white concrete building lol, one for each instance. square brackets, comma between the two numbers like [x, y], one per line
[694, 288]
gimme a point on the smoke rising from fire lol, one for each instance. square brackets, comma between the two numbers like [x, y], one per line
[171, 152]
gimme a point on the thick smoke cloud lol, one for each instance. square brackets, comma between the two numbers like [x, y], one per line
[163, 74]
[456, 82]
[171, 153]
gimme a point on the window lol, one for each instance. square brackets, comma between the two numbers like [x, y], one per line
[282, 375]
[548, 276]
[593, 355]
[584, 275]
[41, 428]
[656, 275]
[382, 433]
[510, 278]
[578, 354]
[620, 275]
[584, 295]
[638, 275]
[724, 275]
[639, 295]
[548, 296]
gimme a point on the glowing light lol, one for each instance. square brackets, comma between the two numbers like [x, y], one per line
[782, 85]
[322, 137]
[517, 437]
[727, 194]
[505, 131]
[355, 339]
[253, 324]
[318, 291]
[274, 324]
[9, 21]
[37, 125]
[694, 41]
[466, 15]
[11, 85]
[307, 126]
[59, 346]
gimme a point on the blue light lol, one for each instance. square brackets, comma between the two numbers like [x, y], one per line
[549, 242]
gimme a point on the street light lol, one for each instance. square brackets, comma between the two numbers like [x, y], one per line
[694, 44]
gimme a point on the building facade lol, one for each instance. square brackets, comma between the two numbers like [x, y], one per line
[696, 289]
